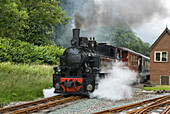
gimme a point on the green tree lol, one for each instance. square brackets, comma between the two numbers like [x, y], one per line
[31, 20]
[12, 20]
[125, 37]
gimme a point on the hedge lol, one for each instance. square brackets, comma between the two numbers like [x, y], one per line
[23, 52]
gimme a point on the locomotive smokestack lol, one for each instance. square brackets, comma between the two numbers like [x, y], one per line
[76, 33]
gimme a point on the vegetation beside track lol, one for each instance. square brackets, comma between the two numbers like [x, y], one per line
[23, 52]
[158, 87]
[23, 82]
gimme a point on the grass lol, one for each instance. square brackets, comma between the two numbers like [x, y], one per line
[158, 87]
[23, 82]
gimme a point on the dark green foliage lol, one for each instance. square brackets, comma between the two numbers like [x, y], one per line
[30, 20]
[124, 36]
[23, 52]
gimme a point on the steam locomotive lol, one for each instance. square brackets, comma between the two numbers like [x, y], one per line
[81, 64]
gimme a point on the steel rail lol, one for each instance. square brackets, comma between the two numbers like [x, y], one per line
[2, 110]
[152, 103]
[47, 105]
[148, 109]
[166, 111]
[129, 106]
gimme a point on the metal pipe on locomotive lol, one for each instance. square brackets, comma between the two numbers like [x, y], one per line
[79, 67]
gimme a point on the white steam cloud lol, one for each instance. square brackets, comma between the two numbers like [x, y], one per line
[117, 85]
[49, 92]
[113, 12]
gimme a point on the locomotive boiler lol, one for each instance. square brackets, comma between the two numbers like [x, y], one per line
[81, 64]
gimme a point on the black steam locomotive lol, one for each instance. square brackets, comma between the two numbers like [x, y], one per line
[81, 64]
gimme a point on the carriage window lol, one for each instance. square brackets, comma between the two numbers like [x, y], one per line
[111, 52]
[131, 59]
[135, 60]
[161, 56]
[129, 56]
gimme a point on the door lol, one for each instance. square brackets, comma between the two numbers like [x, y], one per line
[164, 80]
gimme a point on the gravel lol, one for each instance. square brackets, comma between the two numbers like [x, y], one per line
[86, 105]
[18, 103]
[94, 105]
[15, 103]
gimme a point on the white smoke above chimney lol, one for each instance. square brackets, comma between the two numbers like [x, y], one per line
[112, 12]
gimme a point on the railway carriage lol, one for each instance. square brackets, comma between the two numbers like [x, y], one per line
[81, 64]
[137, 62]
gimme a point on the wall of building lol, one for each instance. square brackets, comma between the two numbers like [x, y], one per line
[158, 69]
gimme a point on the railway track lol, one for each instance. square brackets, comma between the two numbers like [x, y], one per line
[142, 107]
[37, 105]
[166, 111]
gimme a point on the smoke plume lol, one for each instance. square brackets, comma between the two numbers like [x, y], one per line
[114, 12]
[117, 85]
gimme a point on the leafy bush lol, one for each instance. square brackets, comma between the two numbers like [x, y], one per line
[23, 52]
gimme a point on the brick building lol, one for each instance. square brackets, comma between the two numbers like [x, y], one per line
[160, 59]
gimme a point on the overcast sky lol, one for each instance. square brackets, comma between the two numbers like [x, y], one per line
[150, 31]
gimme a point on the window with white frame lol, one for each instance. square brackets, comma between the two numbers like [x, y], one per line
[161, 56]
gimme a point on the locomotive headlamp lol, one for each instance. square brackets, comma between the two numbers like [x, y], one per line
[89, 87]
[73, 42]
[57, 86]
